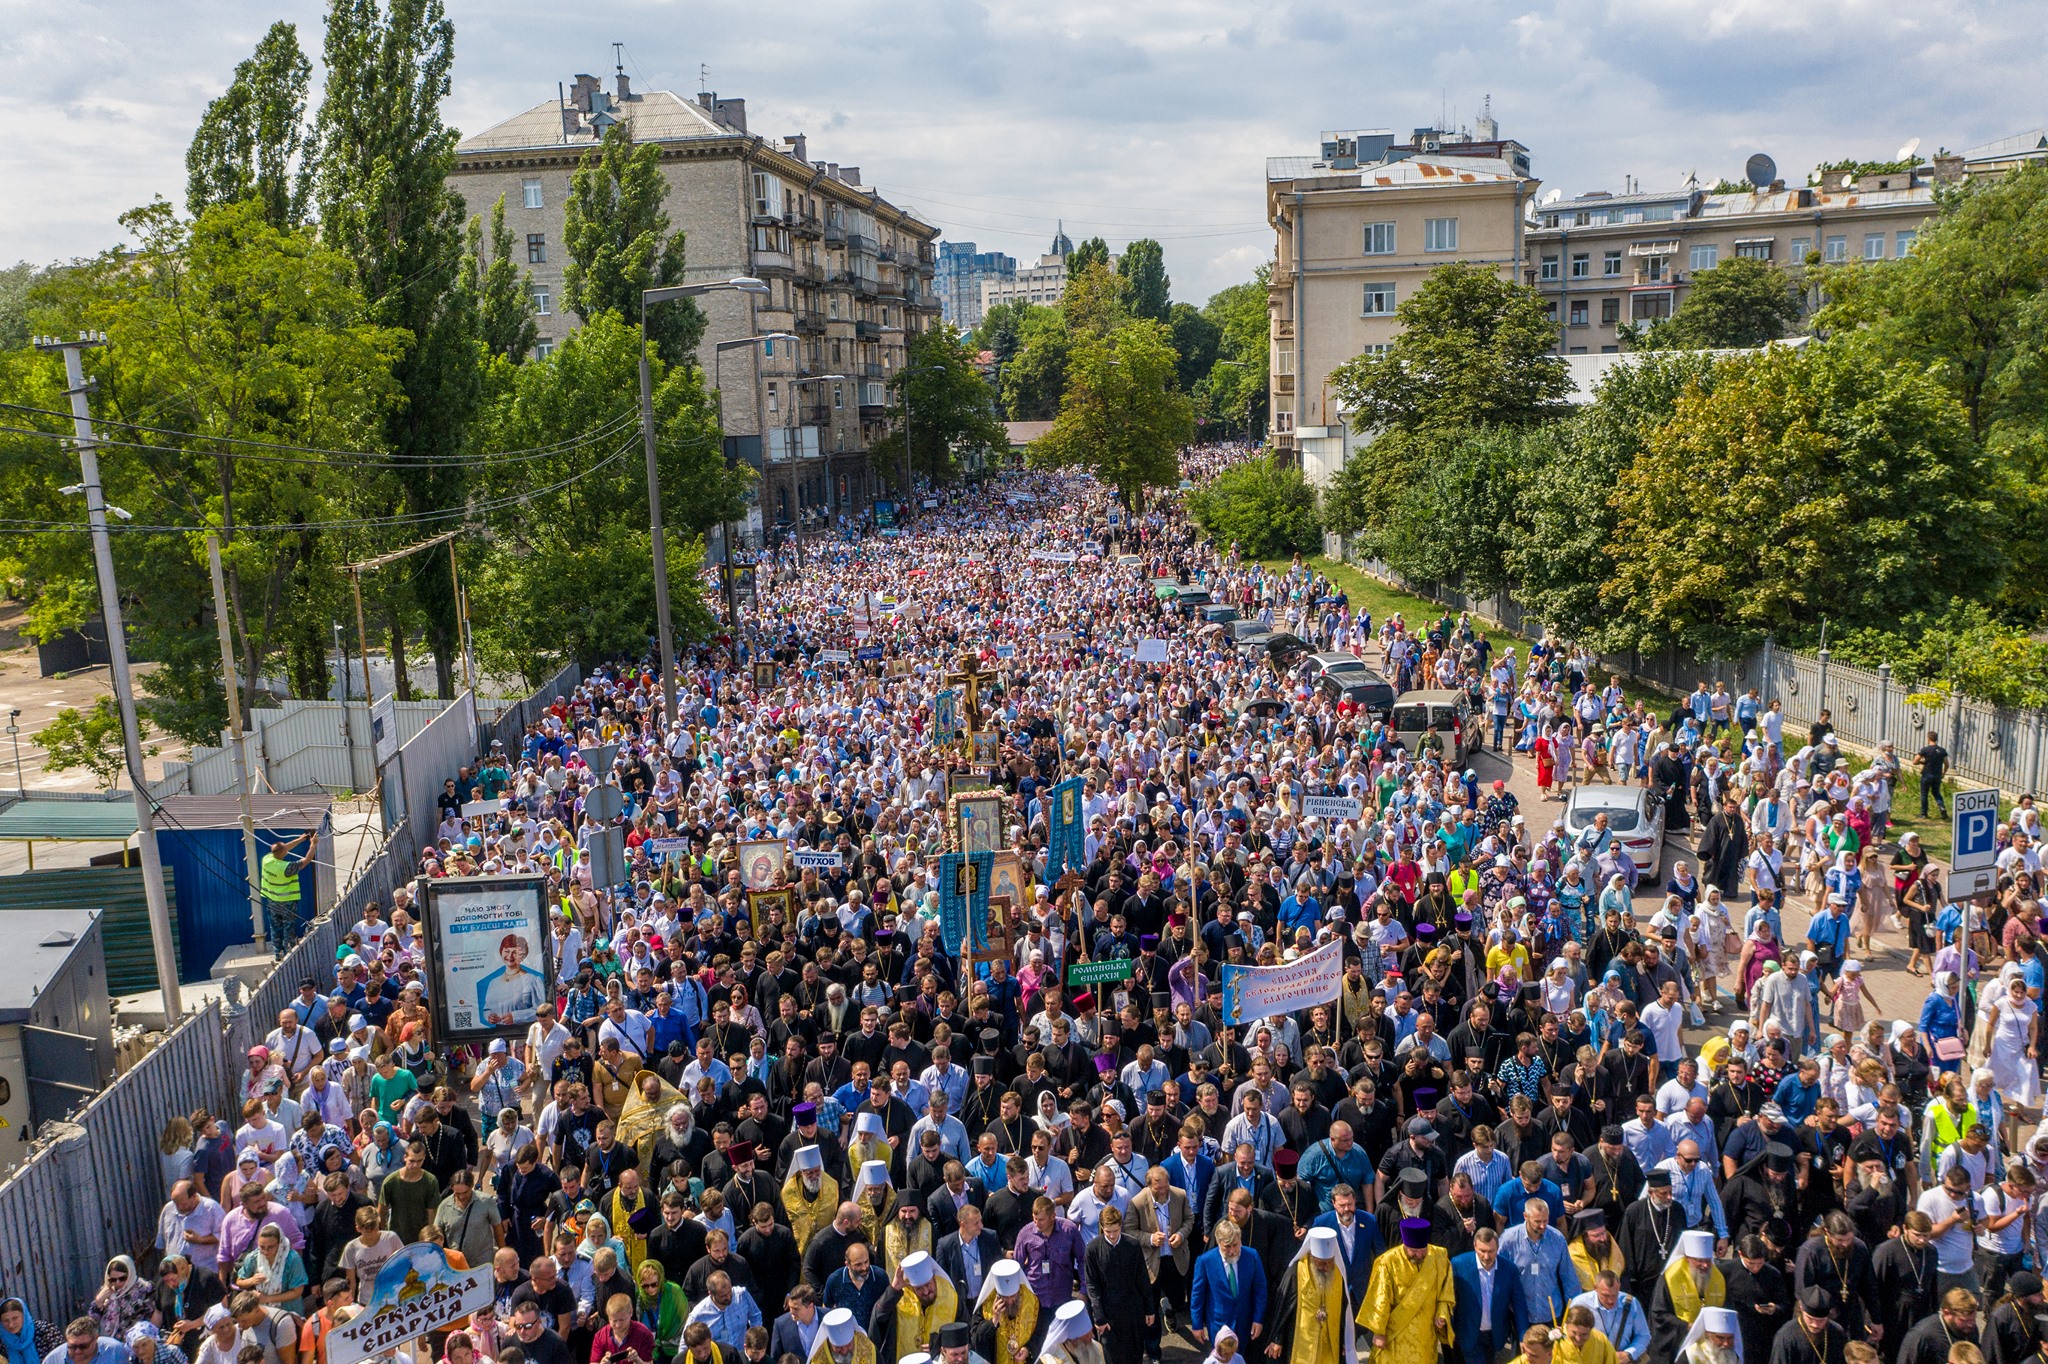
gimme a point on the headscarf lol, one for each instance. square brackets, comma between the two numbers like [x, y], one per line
[20, 1346]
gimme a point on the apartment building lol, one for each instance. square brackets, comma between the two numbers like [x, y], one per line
[1042, 283]
[849, 274]
[961, 273]
[1356, 230]
[1602, 260]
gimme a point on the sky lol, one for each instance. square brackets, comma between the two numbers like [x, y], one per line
[1140, 118]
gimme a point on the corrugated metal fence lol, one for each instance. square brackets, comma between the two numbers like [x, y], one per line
[297, 746]
[1987, 744]
[510, 727]
[94, 1189]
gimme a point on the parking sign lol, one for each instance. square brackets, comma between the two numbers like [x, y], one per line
[1973, 862]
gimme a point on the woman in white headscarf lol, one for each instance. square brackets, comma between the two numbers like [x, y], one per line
[1557, 986]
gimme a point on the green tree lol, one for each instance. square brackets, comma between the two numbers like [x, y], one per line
[386, 203]
[1835, 485]
[254, 139]
[91, 740]
[617, 229]
[1236, 392]
[1093, 251]
[1002, 328]
[1093, 301]
[1035, 379]
[1264, 510]
[1456, 519]
[1146, 289]
[1740, 303]
[1196, 339]
[944, 408]
[1558, 564]
[1123, 417]
[1474, 350]
[1966, 650]
[504, 290]
[17, 281]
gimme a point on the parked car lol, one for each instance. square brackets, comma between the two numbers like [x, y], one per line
[1633, 814]
[1190, 600]
[1450, 712]
[1218, 613]
[1364, 689]
[1315, 665]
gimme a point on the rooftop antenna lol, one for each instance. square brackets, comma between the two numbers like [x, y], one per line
[619, 58]
[703, 75]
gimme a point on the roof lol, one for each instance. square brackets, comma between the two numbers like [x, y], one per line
[656, 116]
[76, 821]
[1430, 169]
[1023, 433]
[292, 813]
[36, 948]
[2019, 144]
[1596, 199]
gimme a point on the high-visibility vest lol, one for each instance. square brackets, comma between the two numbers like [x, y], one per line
[280, 882]
[1948, 1129]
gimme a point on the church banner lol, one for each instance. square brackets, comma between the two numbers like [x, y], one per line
[1068, 832]
[1263, 991]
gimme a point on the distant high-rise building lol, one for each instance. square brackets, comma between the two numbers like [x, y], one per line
[1042, 283]
[959, 278]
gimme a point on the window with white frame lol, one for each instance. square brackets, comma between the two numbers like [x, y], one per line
[1905, 240]
[1582, 264]
[1379, 299]
[1753, 250]
[540, 300]
[1610, 264]
[1549, 268]
[1704, 257]
[533, 194]
[1836, 249]
[1379, 239]
[1439, 234]
[1873, 246]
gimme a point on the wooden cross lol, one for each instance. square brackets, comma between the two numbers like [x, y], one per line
[968, 679]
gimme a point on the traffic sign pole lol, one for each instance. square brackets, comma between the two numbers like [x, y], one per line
[1973, 856]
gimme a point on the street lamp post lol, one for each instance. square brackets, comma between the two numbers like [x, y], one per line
[663, 624]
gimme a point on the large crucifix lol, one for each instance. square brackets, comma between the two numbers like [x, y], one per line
[968, 679]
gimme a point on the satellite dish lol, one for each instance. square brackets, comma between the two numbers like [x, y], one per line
[1761, 171]
[1553, 196]
[1907, 151]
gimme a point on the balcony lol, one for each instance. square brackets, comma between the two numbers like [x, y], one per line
[801, 224]
[870, 370]
[810, 270]
[865, 286]
[835, 233]
[860, 241]
[840, 278]
[867, 330]
[817, 414]
[768, 263]
[810, 320]
[887, 254]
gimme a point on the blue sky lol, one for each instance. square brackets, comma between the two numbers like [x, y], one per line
[1140, 118]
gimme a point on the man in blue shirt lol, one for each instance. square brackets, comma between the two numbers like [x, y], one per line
[1618, 1316]
[83, 1344]
[1544, 1276]
[1301, 909]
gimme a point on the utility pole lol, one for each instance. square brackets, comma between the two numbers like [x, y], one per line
[241, 748]
[117, 657]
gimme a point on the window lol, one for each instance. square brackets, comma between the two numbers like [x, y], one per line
[774, 397]
[1753, 250]
[1610, 350]
[1582, 264]
[767, 196]
[1610, 310]
[1628, 215]
[1439, 234]
[1705, 257]
[1836, 249]
[1379, 239]
[1656, 267]
[1873, 246]
[838, 396]
[1550, 309]
[536, 248]
[1610, 264]
[1377, 348]
[1802, 247]
[1905, 241]
[1579, 312]
[1550, 267]
[533, 198]
[540, 300]
[543, 349]
[1379, 300]
[1578, 350]
[1650, 307]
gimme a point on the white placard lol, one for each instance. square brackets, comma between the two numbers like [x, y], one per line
[1151, 651]
[384, 729]
[481, 809]
[813, 859]
[834, 656]
[1333, 807]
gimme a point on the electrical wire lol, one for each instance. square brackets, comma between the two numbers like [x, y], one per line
[361, 458]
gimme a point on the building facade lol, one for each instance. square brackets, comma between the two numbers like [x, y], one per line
[849, 275]
[961, 273]
[1042, 283]
[1604, 260]
[1356, 229]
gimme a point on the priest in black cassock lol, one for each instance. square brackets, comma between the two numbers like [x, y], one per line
[1908, 1285]
[1650, 1228]
[1811, 1337]
[1757, 1294]
[1929, 1340]
[2010, 1335]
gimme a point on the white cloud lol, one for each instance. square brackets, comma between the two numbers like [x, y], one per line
[1146, 117]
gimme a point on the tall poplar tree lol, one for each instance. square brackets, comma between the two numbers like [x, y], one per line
[618, 239]
[255, 140]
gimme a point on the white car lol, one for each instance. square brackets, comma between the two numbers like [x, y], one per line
[1635, 817]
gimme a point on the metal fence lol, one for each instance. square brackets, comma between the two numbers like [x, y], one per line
[94, 1188]
[297, 746]
[510, 727]
[1987, 744]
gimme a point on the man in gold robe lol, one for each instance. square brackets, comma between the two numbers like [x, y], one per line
[1408, 1299]
[1690, 1281]
[925, 1300]
[840, 1341]
[809, 1195]
[1005, 1316]
[1312, 1316]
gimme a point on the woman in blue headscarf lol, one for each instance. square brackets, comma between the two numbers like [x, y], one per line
[18, 1333]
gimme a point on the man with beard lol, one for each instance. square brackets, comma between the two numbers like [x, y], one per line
[1908, 1284]
[1691, 1281]
[1757, 1293]
[1761, 1190]
[1811, 1337]
[1713, 1339]
[1736, 1097]
[1876, 1202]
[1837, 1261]
[810, 1197]
[1649, 1233]
[2009, 1332]
[1617, 1177]
[1411, 1201]
[1593, 1250]
[1929, 1341]
[1312, 1313]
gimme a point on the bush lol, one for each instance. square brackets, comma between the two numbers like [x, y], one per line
[1268, 511]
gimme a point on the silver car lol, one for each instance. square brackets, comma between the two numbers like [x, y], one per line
[1634, 816]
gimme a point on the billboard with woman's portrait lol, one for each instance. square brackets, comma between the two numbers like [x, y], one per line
[489, 958]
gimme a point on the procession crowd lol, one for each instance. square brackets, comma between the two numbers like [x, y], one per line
[736, 1132]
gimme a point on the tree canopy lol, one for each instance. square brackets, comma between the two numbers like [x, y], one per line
[1123, 417]
[944, 409]
[1265, 510]
[616, 230]
[1146, 289]
[1740, 303]
[255, 140]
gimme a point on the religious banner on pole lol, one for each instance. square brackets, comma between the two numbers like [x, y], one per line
[1262, 991]
[1067, 848]
[963, 900]
[946, 724]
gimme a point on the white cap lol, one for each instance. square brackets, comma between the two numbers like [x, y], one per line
[1720, 1321]
[809, 1158]
[872, 1172]
[1069, 1323]
[1007, 1276]
[918, 1268]
[1322, 1243]
[868, 1125]
[839, 1327]
[1697, 1245]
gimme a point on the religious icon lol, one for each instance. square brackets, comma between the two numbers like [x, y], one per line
[761, 904]
[764, 676]
[761, 863]
[1007, 880]
[978, 822]
[988, 748]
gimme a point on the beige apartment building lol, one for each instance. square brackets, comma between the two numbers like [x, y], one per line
[1356, 230]
[849, 274]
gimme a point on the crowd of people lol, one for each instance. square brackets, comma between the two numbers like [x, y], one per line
[801, 1128]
